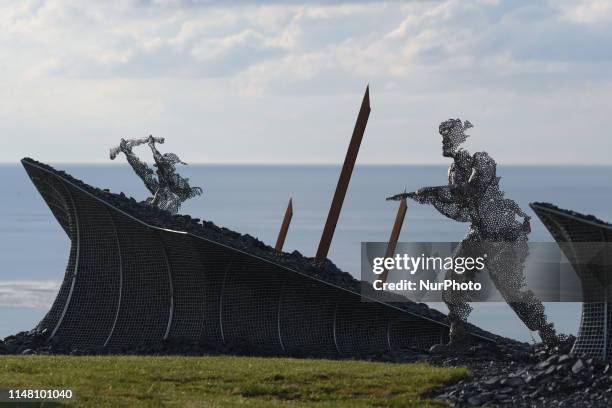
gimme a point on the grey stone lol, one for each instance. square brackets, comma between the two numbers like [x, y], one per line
[491, 381]
[552, 359]
[578, 366]
[438, 349]
[514, 381]
[542, 365]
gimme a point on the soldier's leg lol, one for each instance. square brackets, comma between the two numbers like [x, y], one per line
[458, 301]
[506, 270]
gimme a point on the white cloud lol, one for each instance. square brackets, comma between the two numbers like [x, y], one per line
[588, 12]
[33, 294]
[85, 73]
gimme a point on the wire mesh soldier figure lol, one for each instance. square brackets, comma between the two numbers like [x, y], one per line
[473, 195]
[169, 190]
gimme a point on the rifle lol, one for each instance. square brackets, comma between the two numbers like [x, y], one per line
[134, 142]
[400, 196]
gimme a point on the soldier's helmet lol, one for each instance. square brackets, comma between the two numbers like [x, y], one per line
[172, 158]
[453, 132]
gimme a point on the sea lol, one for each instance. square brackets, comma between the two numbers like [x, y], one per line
[252, 199]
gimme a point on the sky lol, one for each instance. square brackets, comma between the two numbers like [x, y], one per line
[276, 82]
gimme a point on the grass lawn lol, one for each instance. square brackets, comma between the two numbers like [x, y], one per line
[226, 381]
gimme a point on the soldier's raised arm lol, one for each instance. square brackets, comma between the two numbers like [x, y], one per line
[146, 173]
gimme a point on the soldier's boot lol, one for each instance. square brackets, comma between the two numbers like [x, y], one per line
[458, 333]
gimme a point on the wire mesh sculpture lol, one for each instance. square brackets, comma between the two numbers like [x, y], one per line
[473, 195]
[169, 190]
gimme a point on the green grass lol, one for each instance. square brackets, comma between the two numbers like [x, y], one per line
[227, 381]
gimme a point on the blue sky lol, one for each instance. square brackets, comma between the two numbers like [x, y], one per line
[281, 82]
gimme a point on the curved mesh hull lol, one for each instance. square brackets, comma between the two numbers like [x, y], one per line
[129, 283]
[594, 334]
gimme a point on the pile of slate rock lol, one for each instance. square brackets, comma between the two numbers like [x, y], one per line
[35, 342]
[586, 217]
[541, 378]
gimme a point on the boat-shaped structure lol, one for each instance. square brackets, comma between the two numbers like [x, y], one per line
[585, 241]
[139, 275]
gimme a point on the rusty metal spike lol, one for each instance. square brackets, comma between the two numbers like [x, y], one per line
[395, 233]
[345, 177]
[282, 234]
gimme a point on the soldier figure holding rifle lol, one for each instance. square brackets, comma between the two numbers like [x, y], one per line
[473, 195]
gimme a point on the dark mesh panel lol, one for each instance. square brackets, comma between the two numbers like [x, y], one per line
[146, 296]
[592, 336]
[93, 305]
[60, 202]
[188, 285]
[407, 332]
[608, 331]
[250, 300]
[307, 316]
[360, 327]
[215, 260]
